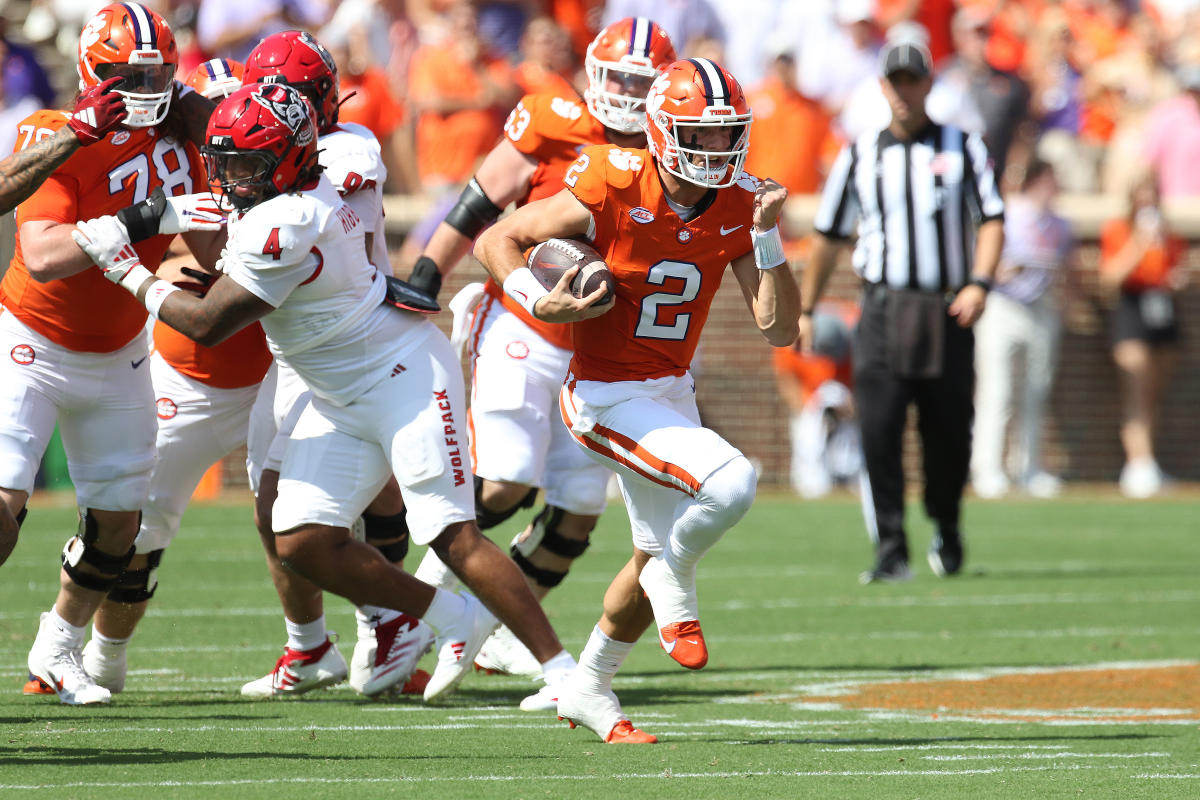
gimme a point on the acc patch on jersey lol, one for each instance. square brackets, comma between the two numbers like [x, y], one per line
[641, 215]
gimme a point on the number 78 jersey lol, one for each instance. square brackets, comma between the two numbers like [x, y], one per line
[667, 271]
[86, 312]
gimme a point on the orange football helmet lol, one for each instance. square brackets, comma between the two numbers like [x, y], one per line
[130, 41]
[621, 63]
[698, 123]
[217, 78]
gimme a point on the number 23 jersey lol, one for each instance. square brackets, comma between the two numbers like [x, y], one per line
[667, 271]
[85, 312]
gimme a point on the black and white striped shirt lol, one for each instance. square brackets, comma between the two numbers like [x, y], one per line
[916, 204]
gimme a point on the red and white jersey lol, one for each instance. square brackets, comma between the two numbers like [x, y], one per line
[552, 130]
[353, 161]
[667, 271]
[86, 312]
[303, 253]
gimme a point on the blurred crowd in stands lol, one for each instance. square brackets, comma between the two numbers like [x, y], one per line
[1082, 96]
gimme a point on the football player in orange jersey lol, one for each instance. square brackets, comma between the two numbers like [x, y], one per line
[668, 221]
[518, 363]
[74, 345]
[203, 396]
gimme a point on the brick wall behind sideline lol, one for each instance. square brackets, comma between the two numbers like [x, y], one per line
[737, 393]
[737, 396]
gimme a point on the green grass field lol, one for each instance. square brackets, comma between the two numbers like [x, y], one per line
[1062, 664]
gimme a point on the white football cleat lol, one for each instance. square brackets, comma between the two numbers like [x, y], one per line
[601, 713]
[106, 665]
[62, 670]
[300, 671]
[390, 656]
[546, 698]
[458, 643]
[504, 653]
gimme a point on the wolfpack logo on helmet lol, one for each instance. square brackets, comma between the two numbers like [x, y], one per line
[288, 108]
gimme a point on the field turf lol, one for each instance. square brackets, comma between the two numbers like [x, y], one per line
[1063, 663]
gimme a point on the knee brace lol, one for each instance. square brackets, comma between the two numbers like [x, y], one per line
[381, 527]
[544, 535]
[137, 585]
[21, 516]
[486, 518]
[81, 549]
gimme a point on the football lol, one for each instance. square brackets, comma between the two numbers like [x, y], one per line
[550, 259]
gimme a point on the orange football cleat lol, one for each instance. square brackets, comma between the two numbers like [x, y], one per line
[624, 733]
[684, 642]
[36, 685]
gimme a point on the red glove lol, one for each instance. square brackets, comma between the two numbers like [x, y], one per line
[97, 111]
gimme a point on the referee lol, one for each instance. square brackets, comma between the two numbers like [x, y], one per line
[917, 191]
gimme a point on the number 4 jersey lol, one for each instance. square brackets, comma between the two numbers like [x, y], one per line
[667, 270]
[86, 312]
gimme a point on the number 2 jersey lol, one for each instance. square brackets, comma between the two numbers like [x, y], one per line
[85, 312]
[552, 130]
[303, 253]
[667, 271]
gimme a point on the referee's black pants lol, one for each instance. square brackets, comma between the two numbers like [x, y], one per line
[945, 408]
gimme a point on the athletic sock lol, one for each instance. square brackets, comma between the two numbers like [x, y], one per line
[446, 609]
[306, 635]
[602, 656]
[64, 635]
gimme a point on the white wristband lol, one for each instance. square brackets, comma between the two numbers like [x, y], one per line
[768, 248]
[521, 286]
[134, 279]
[158, 292]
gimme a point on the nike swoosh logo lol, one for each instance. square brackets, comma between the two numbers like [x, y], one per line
[726, 231]
[524, 296]
[138, 363]
[670, 648]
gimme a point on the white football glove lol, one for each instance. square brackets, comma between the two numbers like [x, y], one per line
[191, 212]
[106, 242]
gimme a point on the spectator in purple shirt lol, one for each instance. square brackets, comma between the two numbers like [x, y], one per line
[1020, 323]
[23, 76]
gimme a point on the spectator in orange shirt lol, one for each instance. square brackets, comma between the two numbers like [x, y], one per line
[547, 59]
[1139, 258]
[460, 92]
[783, 115]
[368, 100]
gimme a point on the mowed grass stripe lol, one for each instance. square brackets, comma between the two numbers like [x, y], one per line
[1049, 587]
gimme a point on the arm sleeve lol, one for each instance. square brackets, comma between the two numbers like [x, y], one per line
[838, 211]
[522, 129]
[587, 178]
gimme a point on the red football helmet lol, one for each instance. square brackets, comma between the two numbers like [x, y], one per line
[130, 41]
[217, 78]
[698, 123]
[261, 141]
[621, 63]
[297, 59]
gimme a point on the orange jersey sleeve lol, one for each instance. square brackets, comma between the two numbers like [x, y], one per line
[86, 312]
[667, 270]
[552, 130]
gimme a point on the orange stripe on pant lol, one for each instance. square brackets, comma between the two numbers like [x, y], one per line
[602, 443]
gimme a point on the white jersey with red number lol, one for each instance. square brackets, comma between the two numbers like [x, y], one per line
[353, 162]
[303, 254]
